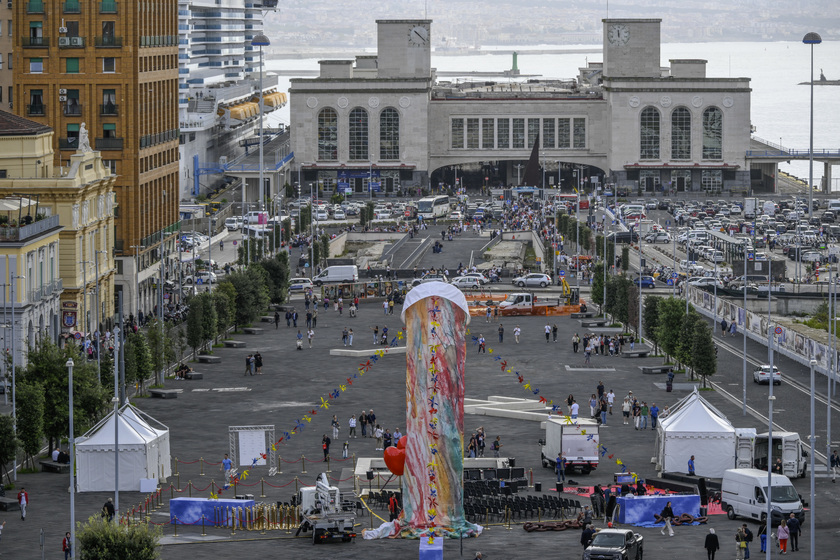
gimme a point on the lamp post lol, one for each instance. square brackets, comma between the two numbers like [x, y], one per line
[69, 365]
[812, 39]
[14, 277]
[312, 233]
[259, 40]
[98, 317]
[116, 401]
[137, 249]
[744, 334]
[813, 439]
[641, 271]
[770, 399]
[518, 167]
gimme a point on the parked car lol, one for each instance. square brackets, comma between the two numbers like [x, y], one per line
[536, 279]
[761, 374]
[478, 276]
[296, 284]
[339, 215]
[233, 224]
[429, 278]
[202, 277]
[658, 237]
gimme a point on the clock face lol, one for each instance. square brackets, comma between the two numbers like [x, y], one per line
[418, 36]
[618, 34]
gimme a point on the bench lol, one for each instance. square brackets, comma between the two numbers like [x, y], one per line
[655, 369]
[164, 393]
[193, 375]
[637, 353]
[252, 330]
[10, 504]
[583, 315]
[234, 344]
[208, 359]
[267, 319]
[588, 324]
[54, 467]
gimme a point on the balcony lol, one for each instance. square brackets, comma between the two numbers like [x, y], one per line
[72, 7]
[109, 143]
[109, 41]
[36, 110]
[109, 109]
[36, 41]
[107, 7]
[14, 233]
[68, 143]
[74, 110]
[35, 7]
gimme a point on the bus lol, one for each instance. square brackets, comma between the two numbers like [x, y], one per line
[570, 201]
[433, 207]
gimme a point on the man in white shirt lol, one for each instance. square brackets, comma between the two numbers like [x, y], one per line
[610, 399]
[516, 332]
[575, 408]
[547, 332]
[55, 455]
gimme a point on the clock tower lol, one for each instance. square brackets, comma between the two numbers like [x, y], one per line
[631, 48]
[404, 47]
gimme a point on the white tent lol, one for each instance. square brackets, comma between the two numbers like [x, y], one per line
[144, 453]
[694, 427]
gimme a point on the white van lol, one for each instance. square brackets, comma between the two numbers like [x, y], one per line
[744, 493]
[256, 217]
[337, 274]
[834, 206]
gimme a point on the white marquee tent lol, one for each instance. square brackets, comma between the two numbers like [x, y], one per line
[694, 427]
[143, 452]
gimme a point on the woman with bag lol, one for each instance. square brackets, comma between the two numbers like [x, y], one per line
[740, 543]
[784, 535]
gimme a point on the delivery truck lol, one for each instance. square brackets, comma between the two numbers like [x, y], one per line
[576, 440]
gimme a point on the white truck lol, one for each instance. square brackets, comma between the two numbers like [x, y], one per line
[787, 446]
[323, 513]
[577, 441]
[751, 208]
[523, 303]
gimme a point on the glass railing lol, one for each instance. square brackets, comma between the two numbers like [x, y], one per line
[109, 41]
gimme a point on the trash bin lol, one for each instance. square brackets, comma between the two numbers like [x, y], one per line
[538, 487]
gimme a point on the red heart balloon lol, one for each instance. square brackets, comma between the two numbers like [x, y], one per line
[395, 460]
[402, 442]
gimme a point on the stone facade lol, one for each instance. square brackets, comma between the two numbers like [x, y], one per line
[695, 134]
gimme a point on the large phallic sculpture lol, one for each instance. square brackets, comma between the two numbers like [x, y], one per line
[436, 317]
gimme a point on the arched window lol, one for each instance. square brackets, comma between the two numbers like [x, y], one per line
[389, 134]
[649, 134]
[358, 127]
[327, 134]
[681, 133]
[712, 133]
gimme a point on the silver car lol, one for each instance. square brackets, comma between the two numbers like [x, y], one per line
[535, 279]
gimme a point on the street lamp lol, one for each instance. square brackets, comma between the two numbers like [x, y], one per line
[137, 249]
[259, 40]
[813, 439]
[69, 365]
[14, 277]
[116, 401]
[812, 39]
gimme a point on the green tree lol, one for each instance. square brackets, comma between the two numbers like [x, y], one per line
[686, 345]
[621, 287]
[597, 293]
[251, 295]
[142, 366]
[195, 324]
[670, 312]
[290, 190]
[703, 357]
[224, 299]
[8, 445]
[336, 198]
[30, 418]
[650, 319]
[633, 310]
[625, 258]
[157, 341]
[586, 238]
[46, 365]
[100, 539]
[278, 277]
[211, 318]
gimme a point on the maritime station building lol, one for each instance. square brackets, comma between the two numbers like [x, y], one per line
[386, 123]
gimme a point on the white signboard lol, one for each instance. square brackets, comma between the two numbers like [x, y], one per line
[251, 446]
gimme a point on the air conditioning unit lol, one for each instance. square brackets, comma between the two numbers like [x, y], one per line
[62, 92]
[62, 30]
[64, 41]
[9, 5]
[62, 98]
[76, 41]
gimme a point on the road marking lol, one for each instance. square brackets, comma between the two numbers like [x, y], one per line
[570, 368]
[201, 390]
[230, 389]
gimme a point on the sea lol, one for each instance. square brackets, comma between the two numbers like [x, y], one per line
[780, 107]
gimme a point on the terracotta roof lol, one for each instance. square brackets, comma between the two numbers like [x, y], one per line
[13, 125]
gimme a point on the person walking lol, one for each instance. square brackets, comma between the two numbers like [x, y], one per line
[226, 467]
[516, 332]
[276, 320]
[497, 446]
[654, 416]
[482, 344]
[740, 543]
[733, 328]
[667, 515]
[248, 364]
[344, 335]
[350, 337]
[325, 445]
[575, 343]
[66, 544]
[711, 545]
[252, 364]
[315, 318]
[724, 327]
[795, 529]
[610, 399]
[363, 423]
[23, 500]
[375, 334]
[501, 333]
[108, 510]
[310, 334]
[834, 464]
[560, 467]
[379, 434]
[575, 408]
[371, 422]
[645, 413]
[691, 466]
[258, 363]
[625, 410]
[603, 406]
[547, 332]
[554, 332]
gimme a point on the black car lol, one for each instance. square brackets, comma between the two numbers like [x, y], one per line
[615, 544]
[623, 237]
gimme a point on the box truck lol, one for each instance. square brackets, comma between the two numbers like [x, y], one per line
[577, 441]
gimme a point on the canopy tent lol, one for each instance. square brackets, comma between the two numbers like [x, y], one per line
[143, 452]
[694, 427]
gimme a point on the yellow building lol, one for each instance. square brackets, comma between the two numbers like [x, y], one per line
[79, 200]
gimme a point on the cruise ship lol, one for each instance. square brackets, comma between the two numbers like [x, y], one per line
[218, 95]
